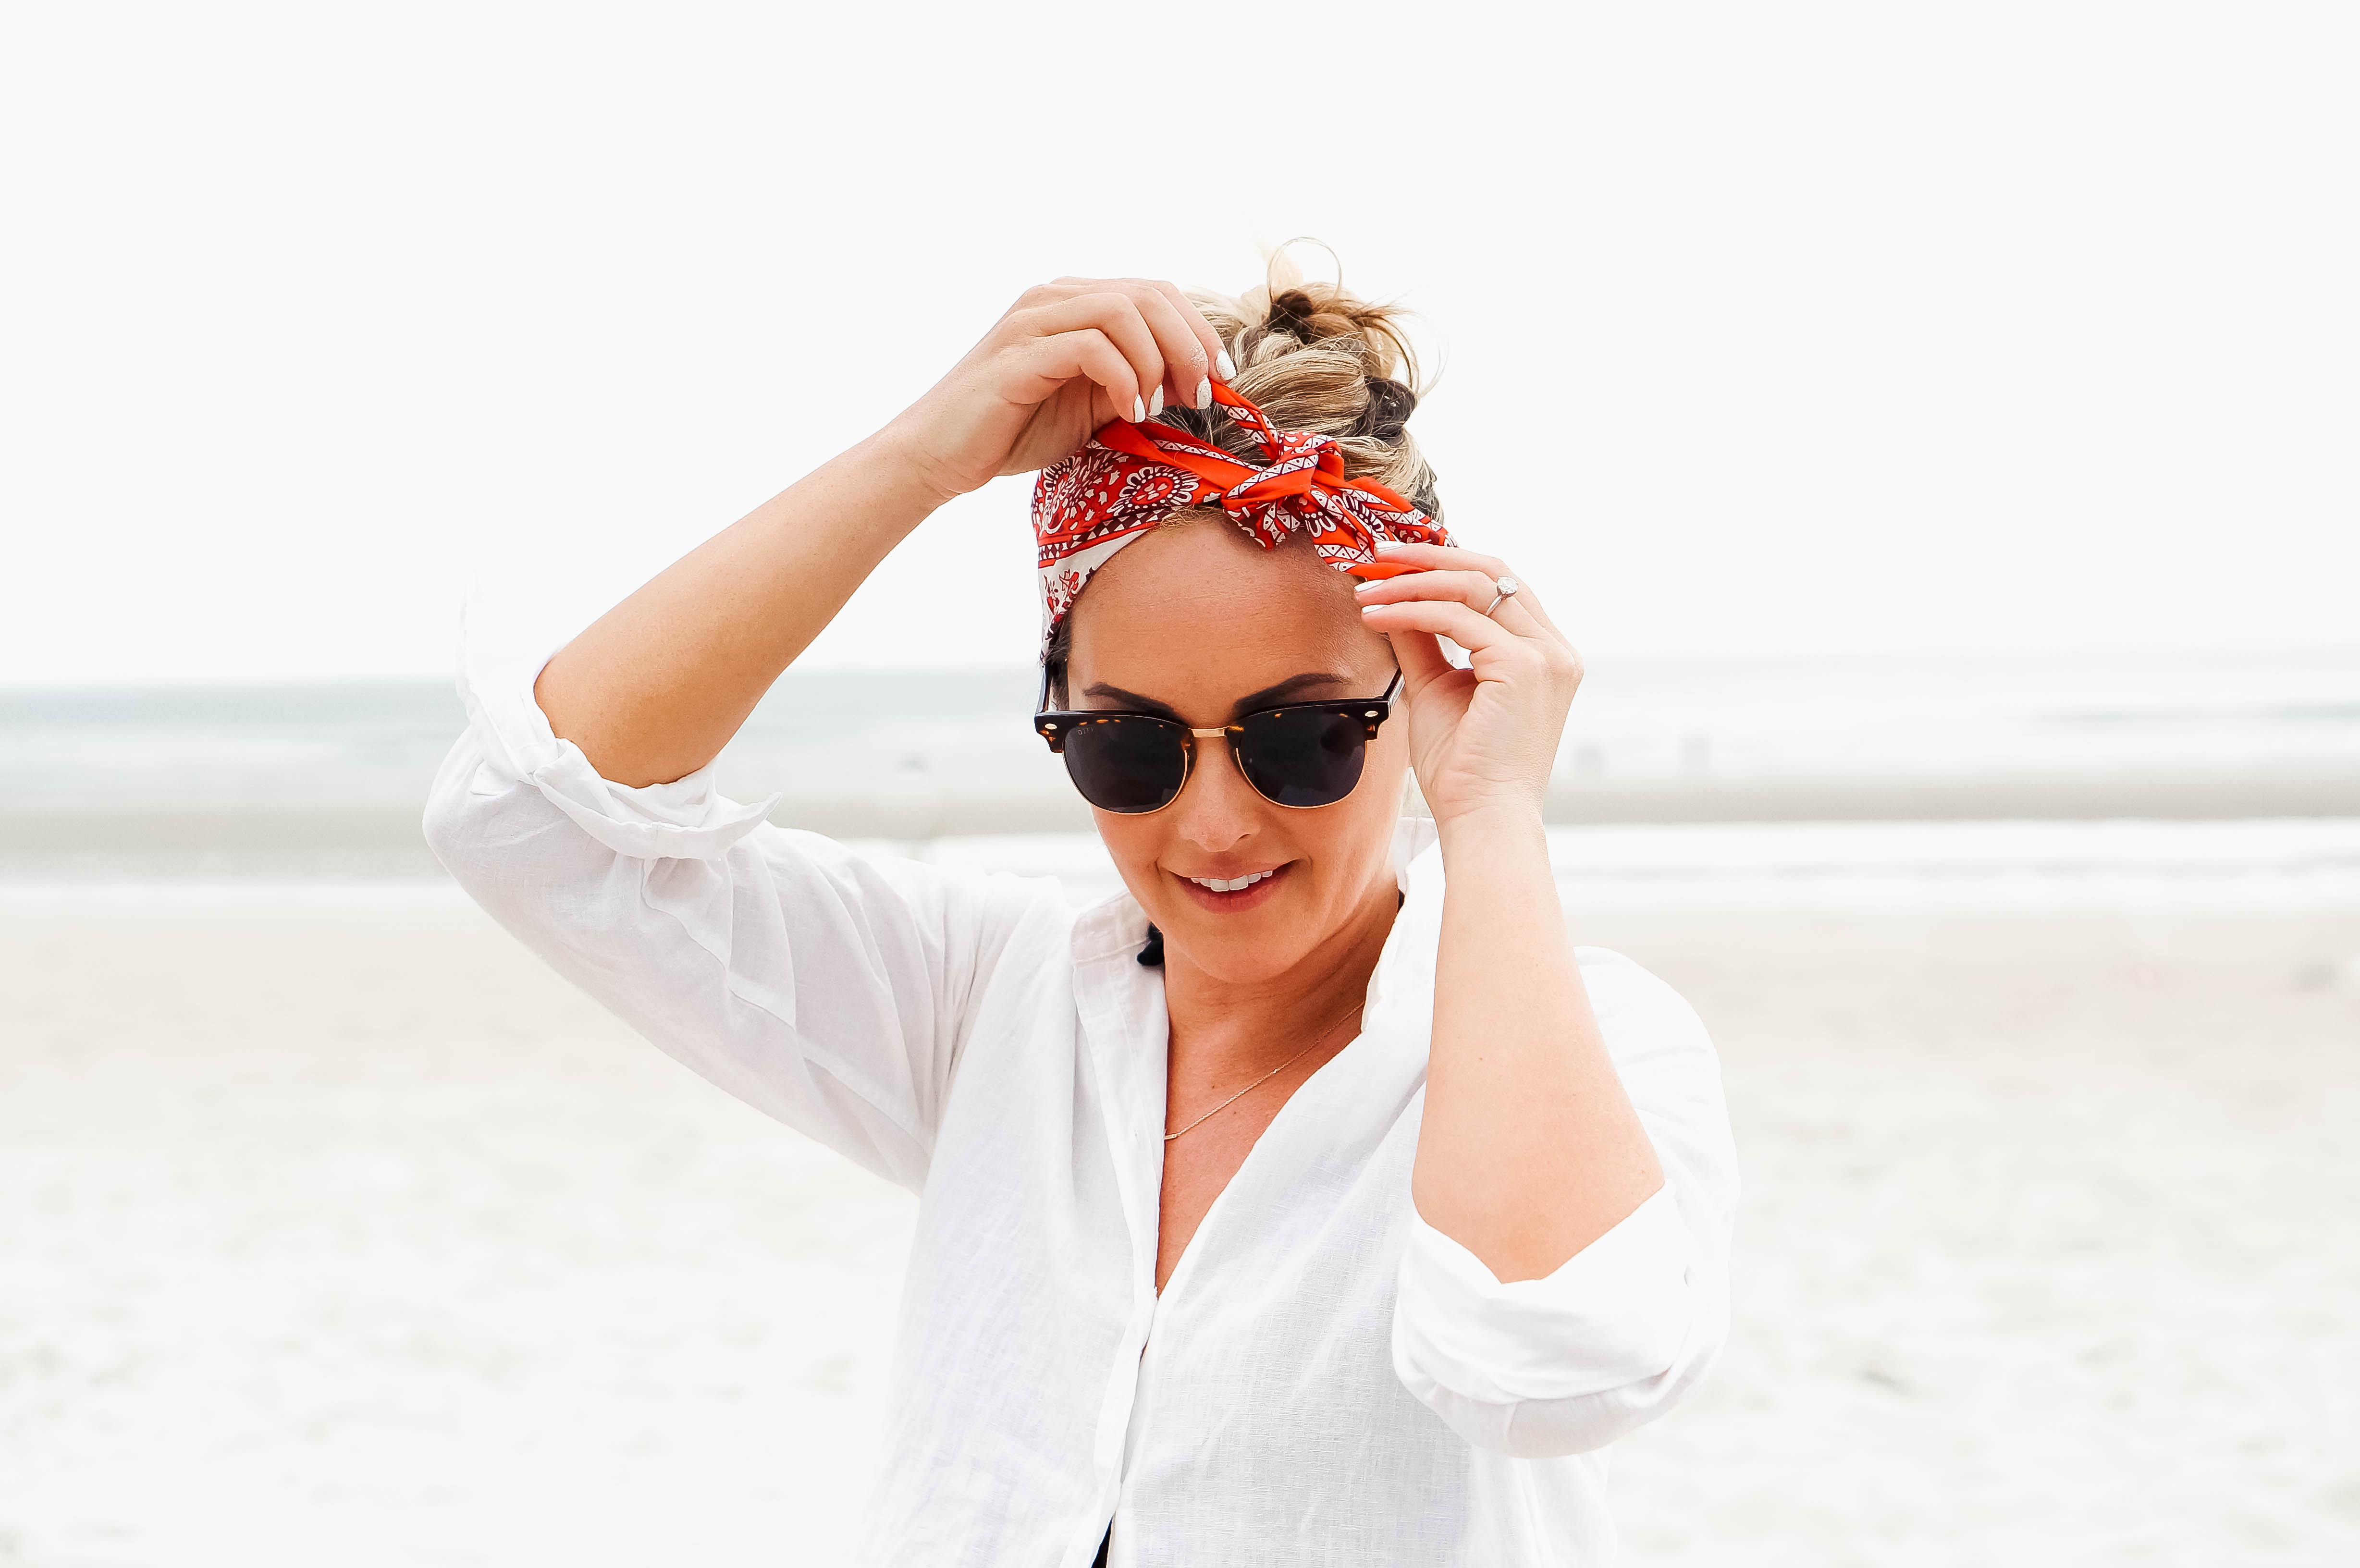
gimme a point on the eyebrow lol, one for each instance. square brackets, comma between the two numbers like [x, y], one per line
[1268, 697]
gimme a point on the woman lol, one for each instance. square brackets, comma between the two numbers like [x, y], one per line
[1312, 1202]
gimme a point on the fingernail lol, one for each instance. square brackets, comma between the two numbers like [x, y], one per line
[1224, 368]
[1156, 406]
[1205, 393]
[1362, 587]
[1371, 609]
[1138, 411]
[1389, 544]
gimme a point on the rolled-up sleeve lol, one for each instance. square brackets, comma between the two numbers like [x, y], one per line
[1621, 1329]
[829, 989]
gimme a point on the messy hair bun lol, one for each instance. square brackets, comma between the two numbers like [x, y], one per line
[1315, 357]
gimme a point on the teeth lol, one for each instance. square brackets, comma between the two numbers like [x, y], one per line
[1232, 883]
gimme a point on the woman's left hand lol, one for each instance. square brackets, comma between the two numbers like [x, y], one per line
[1486, 736]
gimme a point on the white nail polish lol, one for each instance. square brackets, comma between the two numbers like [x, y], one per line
[1205, 393]
[1156, 404]
[1224, 367]
[1137, 412]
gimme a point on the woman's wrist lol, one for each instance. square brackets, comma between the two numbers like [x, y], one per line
[1477, 834]
[895, 465]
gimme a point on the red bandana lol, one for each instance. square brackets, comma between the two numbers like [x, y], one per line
[1128, 478]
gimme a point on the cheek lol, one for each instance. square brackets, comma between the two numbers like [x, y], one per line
[1354, 839]
[1377, 804]
[1136, 843]
[1385, 771]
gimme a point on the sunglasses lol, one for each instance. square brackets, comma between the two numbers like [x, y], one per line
[1302, 755]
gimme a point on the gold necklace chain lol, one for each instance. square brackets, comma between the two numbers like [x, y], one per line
[1325, 1037]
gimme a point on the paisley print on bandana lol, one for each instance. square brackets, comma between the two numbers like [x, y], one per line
[1129, 477]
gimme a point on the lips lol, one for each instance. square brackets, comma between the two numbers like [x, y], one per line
[1232, 883]
[1234, 895]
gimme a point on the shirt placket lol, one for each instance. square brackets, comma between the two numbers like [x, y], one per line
[1123, 1023]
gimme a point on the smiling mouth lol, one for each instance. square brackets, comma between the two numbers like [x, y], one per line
[1232, 883]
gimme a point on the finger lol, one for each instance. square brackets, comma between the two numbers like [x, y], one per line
[1185, 364]
[1474, 589]
[1437, 558]
[1441, 557]
[1477, 634]
[1222, 369]
[1199, 393]
[1114, 315]
[1088, 352]
[1479, 590]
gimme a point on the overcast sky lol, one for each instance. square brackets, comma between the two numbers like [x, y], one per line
[1762, 328]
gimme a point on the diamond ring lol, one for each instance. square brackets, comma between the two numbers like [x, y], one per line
[1507, 587]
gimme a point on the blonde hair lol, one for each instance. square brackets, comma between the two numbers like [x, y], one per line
[1317, 357]
[1314, 356]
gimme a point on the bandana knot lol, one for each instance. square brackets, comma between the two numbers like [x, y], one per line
[1129, 477]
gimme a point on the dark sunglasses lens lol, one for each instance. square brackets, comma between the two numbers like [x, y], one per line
[1303, 757]
[1126, 765]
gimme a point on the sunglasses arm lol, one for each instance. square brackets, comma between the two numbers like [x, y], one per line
[1047, 732]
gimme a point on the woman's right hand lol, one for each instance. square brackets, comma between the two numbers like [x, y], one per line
[656, 688]
[1066, 357]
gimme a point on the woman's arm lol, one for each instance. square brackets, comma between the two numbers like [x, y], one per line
[656, 688]
[657, 685]
[1530, 1149]
[1621, 1332]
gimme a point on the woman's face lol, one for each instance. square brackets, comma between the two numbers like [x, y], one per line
[1196, 622]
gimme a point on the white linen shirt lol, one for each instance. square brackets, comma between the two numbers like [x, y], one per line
[1325, 1378]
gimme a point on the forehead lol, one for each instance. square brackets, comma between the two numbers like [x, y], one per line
[1197, 609]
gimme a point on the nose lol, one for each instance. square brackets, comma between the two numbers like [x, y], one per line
[1217, 810]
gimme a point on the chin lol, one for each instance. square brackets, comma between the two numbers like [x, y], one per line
[1243, 935]
[1234, 957]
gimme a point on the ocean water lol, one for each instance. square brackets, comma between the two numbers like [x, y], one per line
[1753, 777]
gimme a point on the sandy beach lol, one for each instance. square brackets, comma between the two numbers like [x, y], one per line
[333, 1229]
[1928, 429]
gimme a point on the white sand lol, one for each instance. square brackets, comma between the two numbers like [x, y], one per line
[332, 1230]
[2048, 1254]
